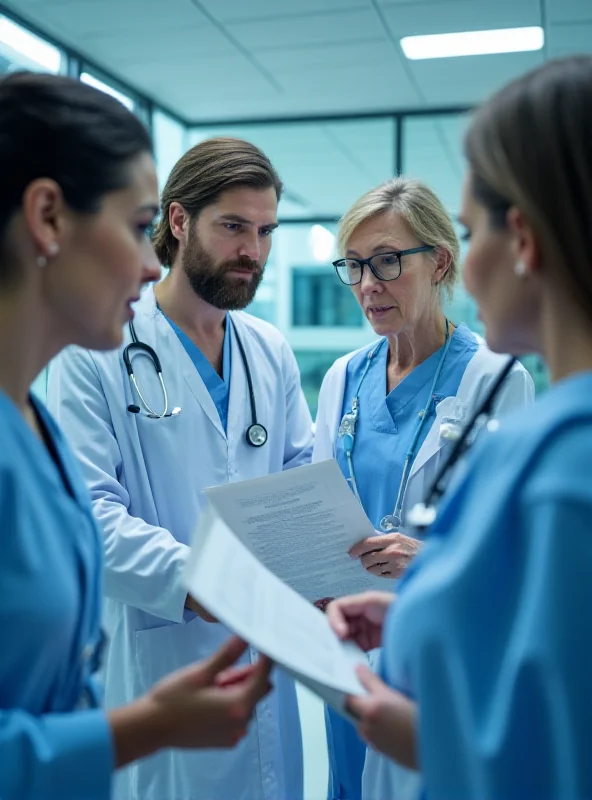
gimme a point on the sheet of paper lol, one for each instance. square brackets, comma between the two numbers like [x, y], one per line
[227, 579]
[301, 523]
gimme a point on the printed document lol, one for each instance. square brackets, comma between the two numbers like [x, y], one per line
[301, 524]
[240, 592]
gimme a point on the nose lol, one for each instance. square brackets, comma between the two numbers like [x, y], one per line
[250, 246]
[370, 283]
[151, 268]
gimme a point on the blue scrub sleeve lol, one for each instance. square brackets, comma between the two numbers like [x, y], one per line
[67, 756]
[519, 724]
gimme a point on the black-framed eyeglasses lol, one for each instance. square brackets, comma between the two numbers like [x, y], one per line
[384, 266]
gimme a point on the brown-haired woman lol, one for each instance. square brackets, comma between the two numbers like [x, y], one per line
[78, 196]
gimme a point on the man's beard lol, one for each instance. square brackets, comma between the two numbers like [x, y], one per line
[211, 282]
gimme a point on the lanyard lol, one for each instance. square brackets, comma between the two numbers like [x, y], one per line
[347, 430]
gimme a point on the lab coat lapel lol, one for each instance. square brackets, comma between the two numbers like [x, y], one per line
[174, 358]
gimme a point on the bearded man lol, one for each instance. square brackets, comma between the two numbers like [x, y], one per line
[200, 394]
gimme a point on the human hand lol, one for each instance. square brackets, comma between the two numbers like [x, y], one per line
[387, 555]
[210, 704]
[360, 617]
[386, 719]
[198, 609]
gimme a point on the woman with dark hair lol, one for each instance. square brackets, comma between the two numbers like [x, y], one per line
[486, 647]
[78, 195]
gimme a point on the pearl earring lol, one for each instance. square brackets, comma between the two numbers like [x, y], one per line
[41, 262]
[520, 269]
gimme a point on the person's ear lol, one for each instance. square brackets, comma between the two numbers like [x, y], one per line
[44, 212]
[442, 259]
[524, 244]
[179, 221]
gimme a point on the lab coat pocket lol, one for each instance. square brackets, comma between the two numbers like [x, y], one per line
[162, 650]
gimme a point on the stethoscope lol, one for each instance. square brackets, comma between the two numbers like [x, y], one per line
[347, 430]
[256, 434]
[422, 515]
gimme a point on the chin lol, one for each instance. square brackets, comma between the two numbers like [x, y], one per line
[385, 328]
[505, 343]
[103, 340]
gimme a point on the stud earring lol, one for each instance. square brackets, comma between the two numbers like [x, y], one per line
[520, 269]
[41, 262]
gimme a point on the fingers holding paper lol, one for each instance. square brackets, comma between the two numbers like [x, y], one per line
[387, 555]
[360, 617]
[386, 719]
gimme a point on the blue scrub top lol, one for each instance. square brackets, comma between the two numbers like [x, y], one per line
[50, 608]
[491, 627]
[387, 422]
[218, 387]
[384, 433]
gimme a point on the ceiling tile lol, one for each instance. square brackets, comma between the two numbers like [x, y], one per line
[239, 10]
[567, 40]
[456, 81]
[568, 11]
[461, 15]
[317, 29]
[331, 56]
[367, 83]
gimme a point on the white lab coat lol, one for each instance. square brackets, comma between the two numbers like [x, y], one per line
[382, 779]
[146, 477]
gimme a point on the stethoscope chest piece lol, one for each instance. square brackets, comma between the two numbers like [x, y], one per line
[390, 523]
[347, 426]
[256, 435]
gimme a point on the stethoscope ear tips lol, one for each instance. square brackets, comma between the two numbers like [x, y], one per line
[134, 409]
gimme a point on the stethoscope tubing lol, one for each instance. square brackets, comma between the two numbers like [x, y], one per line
[390, 521]
[256, 434]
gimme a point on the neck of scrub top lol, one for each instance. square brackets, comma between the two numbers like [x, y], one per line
[413, 345]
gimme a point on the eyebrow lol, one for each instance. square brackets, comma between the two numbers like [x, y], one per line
[245, 221]
[388, 248]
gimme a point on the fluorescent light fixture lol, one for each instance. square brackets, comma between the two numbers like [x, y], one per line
[322, 242]
[473, 43]
[86, 77]
[26, 44]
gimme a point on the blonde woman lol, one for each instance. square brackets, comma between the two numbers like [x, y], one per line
[489, 631]
[389, 411]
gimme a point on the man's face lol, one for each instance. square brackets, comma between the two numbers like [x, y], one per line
[228, 246]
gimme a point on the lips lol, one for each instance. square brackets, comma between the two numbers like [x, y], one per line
[380, 309]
